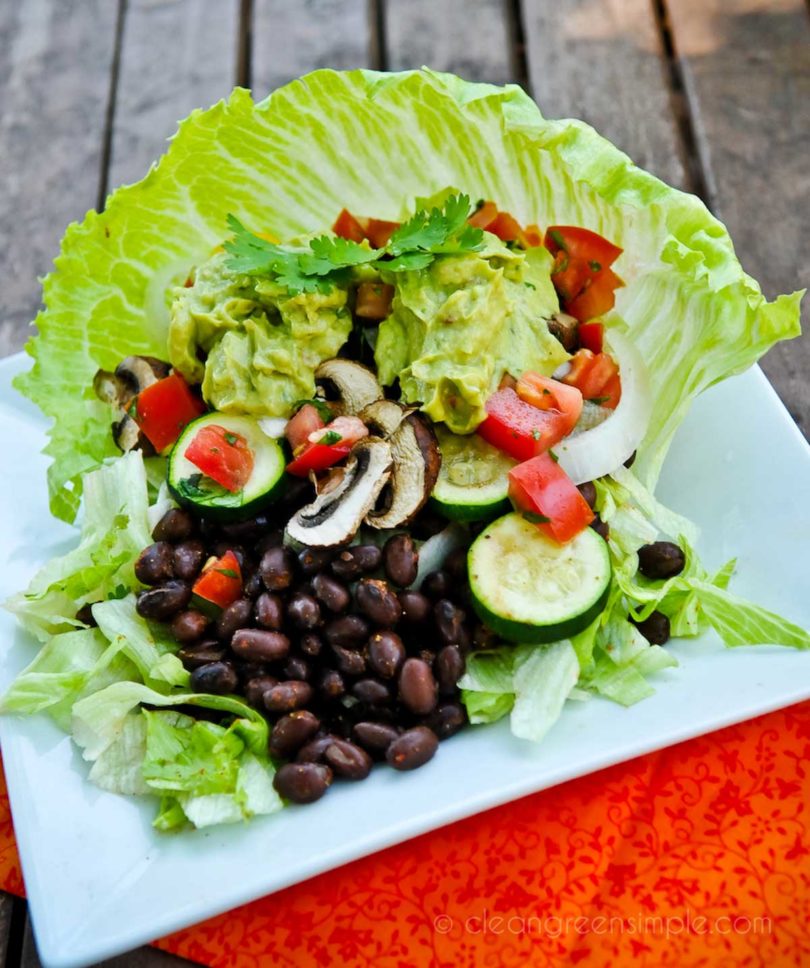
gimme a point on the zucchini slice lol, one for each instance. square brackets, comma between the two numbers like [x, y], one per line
[473, 482]
[194, 490]
[528, 588]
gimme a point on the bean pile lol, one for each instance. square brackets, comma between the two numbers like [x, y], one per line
[347, 662]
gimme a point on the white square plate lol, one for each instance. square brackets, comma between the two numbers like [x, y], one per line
[101, 881]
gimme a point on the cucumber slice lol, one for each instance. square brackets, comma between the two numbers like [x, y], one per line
[528, 588]
[473, 483]
[193, 490]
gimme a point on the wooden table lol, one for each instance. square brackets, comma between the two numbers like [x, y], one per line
[711, 95]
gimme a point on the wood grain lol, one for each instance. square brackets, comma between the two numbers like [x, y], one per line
[746, 69]
[603, 61]
[55, 67]
[470, 38]
[176, 55]
[290, 39]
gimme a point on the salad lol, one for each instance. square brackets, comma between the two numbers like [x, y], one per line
[365, 453]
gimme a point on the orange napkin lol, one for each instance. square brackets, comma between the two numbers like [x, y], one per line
[698, 855]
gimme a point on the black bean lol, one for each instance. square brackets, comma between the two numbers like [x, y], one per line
[189, 626]
[412, 749]
[483, 637]
[588, 491]
[277, 568]
[449, 667]
[85, 615]
[349, 661]
[417, 687]
[428, 656]
[248, 530]
[217, 677]
[355, 561]
[449, 621]
[163, 602]
[371, 691]
[311, 644]
[236, 616]
[188, 559]
[303, 612]
[155, 563]
[254, 585]
[297, 667]
[256, 687]
[654, 628]
[375, 738]
[436, 585]
[175, 525]
[273, 539]
[292, 731]
[447, 719]
[415, 607]
[287, 696]
[456, 563]
[377, 601]
[201, 653]
[314, 560]
[630, 460]
[401, 559]
[331, 684]
[269, 611]
[312, 752]
[331, 593]
[302, 782]
[347, 760]
[602, 528]
[260, 645]
[350, 631]
[661, 559]
[386, 653]
[221, 548]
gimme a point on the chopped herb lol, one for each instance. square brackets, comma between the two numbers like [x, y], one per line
[331, 437]
[530, 285]
[536, 434]
[535, 518]
[201, 489]
[546, 392]
[232, 439]
[595, 266]
[554, 457]
[227, 572]
[598, 400]
[324, 411]
[559, 241]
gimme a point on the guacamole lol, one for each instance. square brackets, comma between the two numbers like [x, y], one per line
[260, 345]
[459, 325]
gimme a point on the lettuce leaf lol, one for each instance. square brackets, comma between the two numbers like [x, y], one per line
[281, 166]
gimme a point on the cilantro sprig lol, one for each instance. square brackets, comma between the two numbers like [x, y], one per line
[327, 260]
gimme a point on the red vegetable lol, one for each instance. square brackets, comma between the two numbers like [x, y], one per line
[221, 581]
[299, 427]
[222, 455]
[542, 490]
[317, 457]
[165, 408]
[547, 394]
[581, 244]
[348, 227]
[591, 336]
[519, 429]
[596, 298]
[596, 376]
[373, 300]
[483, 217]
[378, 231]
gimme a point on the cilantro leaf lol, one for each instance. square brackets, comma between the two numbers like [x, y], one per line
[533, 518]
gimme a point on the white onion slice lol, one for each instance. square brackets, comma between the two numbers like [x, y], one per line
[600, 450]
[273, 426]
[434, 552]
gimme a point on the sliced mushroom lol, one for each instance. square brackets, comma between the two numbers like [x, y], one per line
[383, 416]
[128, 436]
[354, 385]
[417, 460]
[564, 327]
[119, 389]
[334, 517]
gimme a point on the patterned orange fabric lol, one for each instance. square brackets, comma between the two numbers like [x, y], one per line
[698, 855]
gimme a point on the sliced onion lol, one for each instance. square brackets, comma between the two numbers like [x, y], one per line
[600, 450]
[435, 551]
[273, 426]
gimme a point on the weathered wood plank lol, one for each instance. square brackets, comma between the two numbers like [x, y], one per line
[55, 64]
[290, 39]
[176, 55]
[605, 64]
[746, 70]
[467, 37]
[6, 906]
[145, 957]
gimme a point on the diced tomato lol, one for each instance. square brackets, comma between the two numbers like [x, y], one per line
[221, 581]
[348, 227]
[484, 216]
[165, 408]
[570, 275]
[582, 244]
[519, 429]
[317, 457]
[378, 231]
[373, 300]
[612, 392]
[507, 228]
[533, 235]
[222, 455]
[592, 374]
[541, 487]
[596, 298]
[299, 427]
[348, 429]
[547, 394]
[591, 336]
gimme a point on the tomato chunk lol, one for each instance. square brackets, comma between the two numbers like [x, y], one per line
[519, 429]
[582, 244]
[348, 227]
[373, 300]
[552, 395]
[596, 298]
[593, 374]
[591, 336]
[222, 455]
[317, 457]
[570, 275]
[482, 217]
[165, 408]
[221, 581]
[507, 228]
[542, 490]
[378, 231]
[300, 426]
